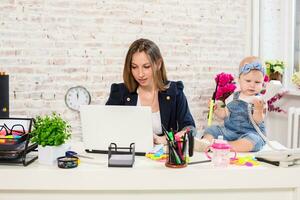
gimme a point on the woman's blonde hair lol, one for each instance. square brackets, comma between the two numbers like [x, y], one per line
[153, 53]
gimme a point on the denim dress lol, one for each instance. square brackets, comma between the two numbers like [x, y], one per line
[238, 125]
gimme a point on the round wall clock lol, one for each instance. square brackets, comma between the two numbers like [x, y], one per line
[77, 96]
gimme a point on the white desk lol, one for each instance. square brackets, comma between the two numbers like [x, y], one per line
[148, 180]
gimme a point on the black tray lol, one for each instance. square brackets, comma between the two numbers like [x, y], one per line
[15, 150]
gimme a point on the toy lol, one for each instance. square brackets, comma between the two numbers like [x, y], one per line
[157, 154]
[248, 161]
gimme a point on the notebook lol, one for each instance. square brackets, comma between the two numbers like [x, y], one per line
[123, 125]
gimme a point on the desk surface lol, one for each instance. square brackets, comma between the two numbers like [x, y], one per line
[93, 176]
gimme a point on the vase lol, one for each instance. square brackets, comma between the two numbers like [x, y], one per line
[48, 155]
[276, 76]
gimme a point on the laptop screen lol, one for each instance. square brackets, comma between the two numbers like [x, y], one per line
[123, 125]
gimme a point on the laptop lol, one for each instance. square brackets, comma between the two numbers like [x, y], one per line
[122, 125]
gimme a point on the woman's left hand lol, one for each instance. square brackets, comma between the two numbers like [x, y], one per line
[180, 133]
[159, 139]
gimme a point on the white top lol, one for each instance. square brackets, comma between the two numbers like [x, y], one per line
[156, 120]
[156, 123]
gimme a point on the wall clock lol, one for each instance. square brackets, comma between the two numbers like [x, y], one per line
[77, 96]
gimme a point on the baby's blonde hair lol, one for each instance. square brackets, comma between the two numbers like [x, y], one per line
[249, 59]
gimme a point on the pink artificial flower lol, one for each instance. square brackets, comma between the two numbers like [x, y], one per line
[272, 107]
[266, 78]
[226, 86]
[224, 78]
[219, 93]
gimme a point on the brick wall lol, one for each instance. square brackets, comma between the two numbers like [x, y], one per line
[48, 46]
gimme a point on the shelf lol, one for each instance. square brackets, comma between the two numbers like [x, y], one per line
[293, 92]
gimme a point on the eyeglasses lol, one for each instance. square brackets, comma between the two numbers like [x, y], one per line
[15, 130]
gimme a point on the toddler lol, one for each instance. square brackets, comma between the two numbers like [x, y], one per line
[238, 130]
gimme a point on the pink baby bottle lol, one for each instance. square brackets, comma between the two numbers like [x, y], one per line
[220, 152]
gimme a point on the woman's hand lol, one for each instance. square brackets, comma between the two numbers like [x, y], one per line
[180, 133]
[159, 139]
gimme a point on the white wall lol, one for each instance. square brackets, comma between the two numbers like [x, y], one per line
[48, 46]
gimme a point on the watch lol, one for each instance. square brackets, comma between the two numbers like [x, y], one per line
[77, 96]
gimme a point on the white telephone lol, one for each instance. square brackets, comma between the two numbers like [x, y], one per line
[279, 157]
[272, 88]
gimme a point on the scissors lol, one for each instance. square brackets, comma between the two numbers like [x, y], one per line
[73, 153]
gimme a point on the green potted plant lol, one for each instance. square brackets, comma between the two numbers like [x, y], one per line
[275, 69]
[50, 132]
[296, 79]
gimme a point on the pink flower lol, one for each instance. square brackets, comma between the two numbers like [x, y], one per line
[272, 107]
[226, 86]
[223, 79]
[266, 78]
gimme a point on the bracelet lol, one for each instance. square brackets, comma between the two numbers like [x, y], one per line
[67, 162]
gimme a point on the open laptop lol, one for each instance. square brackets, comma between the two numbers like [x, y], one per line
[123, 125]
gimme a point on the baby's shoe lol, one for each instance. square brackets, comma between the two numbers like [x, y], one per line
[201, 144]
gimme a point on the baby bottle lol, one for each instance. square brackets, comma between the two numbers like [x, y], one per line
[220, 153]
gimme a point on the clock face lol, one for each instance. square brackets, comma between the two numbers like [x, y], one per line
[77, 96]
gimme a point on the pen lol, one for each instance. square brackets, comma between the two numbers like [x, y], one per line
[199, 162]
[276, 163]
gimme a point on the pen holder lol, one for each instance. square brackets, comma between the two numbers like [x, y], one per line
[177, 154]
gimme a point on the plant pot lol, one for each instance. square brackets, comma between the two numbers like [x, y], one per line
[49, 154]
[276, 76]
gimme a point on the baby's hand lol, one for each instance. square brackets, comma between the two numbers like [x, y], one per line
[217, 104]
[258, 104]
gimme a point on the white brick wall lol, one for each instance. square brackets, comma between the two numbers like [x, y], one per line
[48, 46]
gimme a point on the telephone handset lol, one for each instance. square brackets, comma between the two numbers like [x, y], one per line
[272, 88]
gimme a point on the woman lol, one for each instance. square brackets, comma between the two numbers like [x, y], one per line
[146, 84]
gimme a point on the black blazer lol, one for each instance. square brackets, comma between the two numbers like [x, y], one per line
[174, 109]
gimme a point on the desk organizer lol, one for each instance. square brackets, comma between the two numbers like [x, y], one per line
[117, 157]
[15, 141]
[4, 95]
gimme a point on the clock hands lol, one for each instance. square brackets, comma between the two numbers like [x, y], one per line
[77, 96]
